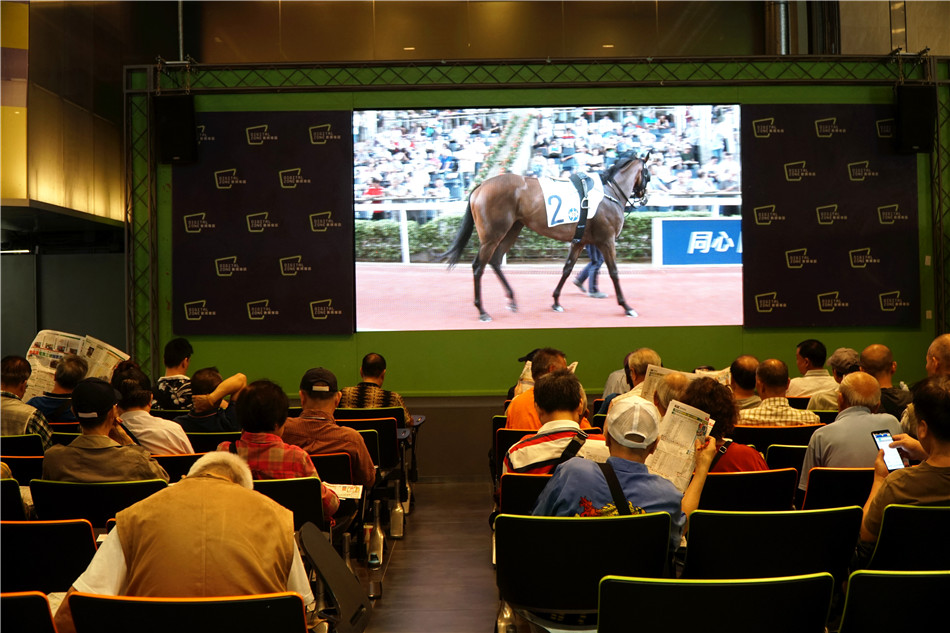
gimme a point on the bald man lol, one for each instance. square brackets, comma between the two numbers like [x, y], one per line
[847, 442]
[742, 381]
[878, 361]
[771, 381]
[938, 356]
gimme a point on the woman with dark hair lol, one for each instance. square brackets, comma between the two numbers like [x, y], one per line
[716, 399]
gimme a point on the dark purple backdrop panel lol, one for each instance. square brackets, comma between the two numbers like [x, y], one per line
[829, 218]
[262, 226]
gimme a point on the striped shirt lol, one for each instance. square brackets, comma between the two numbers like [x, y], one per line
[777, 412]
[539, 454]
[368, 395]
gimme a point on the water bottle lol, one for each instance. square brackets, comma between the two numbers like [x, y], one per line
[346, 554]
[377, 539]
[397, 519]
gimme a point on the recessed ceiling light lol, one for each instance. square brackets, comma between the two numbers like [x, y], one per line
[607, 45]
[408, 48]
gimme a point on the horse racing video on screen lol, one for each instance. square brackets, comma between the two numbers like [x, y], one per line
[580, 216]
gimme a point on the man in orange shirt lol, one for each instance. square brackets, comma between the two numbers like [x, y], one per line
[522, 413]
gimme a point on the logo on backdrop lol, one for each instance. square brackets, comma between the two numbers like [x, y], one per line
[828, 214]
[203, 136]
[320, 134]
[259, 310]
[227, 178]
[885, 128]
[861, 257]
[764, 216]
[826, 128]
[258, 222]
[794, 172]
[320, 222]
[890, 301]
[798, 258]
[890, 214]
[764, 128]
[195, 223]
[290, 178]
[703, 242]
[290, 266]
[829, 302]
[320, 310]
[768, 301]
[857, 172]
[196, 310]
[257, 134]
[227, 266]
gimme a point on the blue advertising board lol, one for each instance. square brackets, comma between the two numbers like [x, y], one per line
[697, 241]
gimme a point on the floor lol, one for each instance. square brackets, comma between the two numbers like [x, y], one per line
[439, 578]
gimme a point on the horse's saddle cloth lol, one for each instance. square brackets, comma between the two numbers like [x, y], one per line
[563, 203]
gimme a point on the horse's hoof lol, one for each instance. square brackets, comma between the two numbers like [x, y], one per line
[484, 317]
[513, 307]
[631, 312]
[557, 308]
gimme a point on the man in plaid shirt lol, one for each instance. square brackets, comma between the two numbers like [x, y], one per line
[19, 418]
[771, 381]
[262, 412]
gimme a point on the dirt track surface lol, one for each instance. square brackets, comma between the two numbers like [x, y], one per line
[404, 297]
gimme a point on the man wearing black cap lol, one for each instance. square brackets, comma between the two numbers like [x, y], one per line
[316, 431]
[104, 452]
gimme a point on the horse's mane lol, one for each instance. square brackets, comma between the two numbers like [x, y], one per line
[622, 161]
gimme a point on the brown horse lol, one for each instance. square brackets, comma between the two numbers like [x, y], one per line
[501, 206]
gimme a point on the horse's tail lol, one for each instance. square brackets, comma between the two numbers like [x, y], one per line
[461, 238]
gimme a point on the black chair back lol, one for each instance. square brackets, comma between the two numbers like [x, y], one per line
[371, 439]
[760, 490]
[334, 468]
[837, 487]
[766, 544]
[63, 438]
[26, 611]
[177, 466]
[901, 545]
[388, 443]
[45, 555]
[518, 493]
[302, 496]
[29, 444]
[24, 468]
[11, 503]
[371, 413]
[208, 442]
[96, 502]
[764, 436]
[865, 606]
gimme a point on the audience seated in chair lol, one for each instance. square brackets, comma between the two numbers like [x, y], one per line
[56, 405]
[16, 416]
[810, 357]
[210, 413]
[579, 486]
[262, 413]
[173, 390]
[713, 398]
[878, 361]
[157, 435]
[847, 443]
[771, 383]
[315, 431]
[104, 451]
[522, 413]
[560, 402]
[742, 381]
[369, 393]
[925, 484]
[843, 361]
[170, 543]
[635, 366]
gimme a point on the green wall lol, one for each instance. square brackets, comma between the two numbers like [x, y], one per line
[474, 362]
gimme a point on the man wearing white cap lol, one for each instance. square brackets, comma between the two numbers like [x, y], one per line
[581, 487]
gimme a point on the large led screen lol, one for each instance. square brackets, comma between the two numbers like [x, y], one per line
[679, 253]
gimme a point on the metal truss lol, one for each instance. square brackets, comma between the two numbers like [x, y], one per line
[206, 78]
[144, 81]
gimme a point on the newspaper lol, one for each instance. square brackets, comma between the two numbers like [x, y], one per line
[346, 491]
[722, 376]
[653, 377]
[526, 381]
[679, 428]
[51, 346]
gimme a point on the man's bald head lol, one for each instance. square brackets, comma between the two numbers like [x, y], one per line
[878, 361]
[771, 378]
[859, 390]
[938, 356]
[671, 387]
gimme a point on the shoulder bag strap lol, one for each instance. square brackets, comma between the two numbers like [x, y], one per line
[620, 501]
[719, 453]
[575, 445]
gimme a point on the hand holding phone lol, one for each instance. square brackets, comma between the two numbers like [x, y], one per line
[892, 458]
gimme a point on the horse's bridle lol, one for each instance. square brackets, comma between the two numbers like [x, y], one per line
[638, 197]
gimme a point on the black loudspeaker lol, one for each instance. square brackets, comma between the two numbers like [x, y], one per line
[175, 130]
[916, 118]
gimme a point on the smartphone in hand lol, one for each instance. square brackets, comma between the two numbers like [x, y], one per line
[892, 458]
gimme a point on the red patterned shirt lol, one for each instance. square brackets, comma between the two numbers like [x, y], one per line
[270, 458]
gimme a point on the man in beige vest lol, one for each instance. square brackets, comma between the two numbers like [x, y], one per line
[167, 542]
